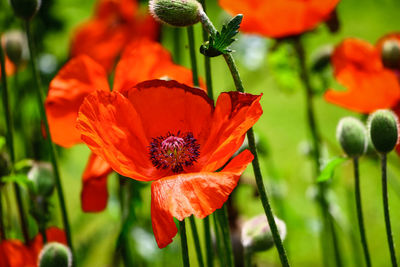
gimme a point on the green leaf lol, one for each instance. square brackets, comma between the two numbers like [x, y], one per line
[20, 179]
[22, 164]
[219, 44]
[328, 170]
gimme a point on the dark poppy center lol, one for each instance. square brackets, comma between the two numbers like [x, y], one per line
[174, 151]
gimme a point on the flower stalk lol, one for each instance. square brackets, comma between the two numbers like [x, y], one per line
[10, 144]
[184, 246]
[360, 213]
[328, 224]
[53, 156]
[386, 210]
[208, 25]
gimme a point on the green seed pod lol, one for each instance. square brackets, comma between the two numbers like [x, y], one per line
[42, 177]
[257, 236]
[55, 255]
[391, 54]
[383, 130]
[25, 9]
[352, 136]
[179, 13]
[15, 46]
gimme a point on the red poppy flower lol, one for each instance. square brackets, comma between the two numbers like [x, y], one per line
[142, 60]
[10, 68]
[114, 25]
[280, 18]
[13, 253]
[358, 66]
[172, 135]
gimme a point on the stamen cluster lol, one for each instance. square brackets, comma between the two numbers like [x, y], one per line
[174, 151]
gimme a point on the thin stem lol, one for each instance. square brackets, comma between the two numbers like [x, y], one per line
[10, 144]
[193, 59]
[218, 240]
[207, 61]
[53, 156]
[324, 205]
[386, 211]
[42, 229]
[196, 241]
[184, 246]
[226, 237]
[2, 228]
[360, 213]
[207, 237]
[335, 241]
[177, 44]
[207, 24]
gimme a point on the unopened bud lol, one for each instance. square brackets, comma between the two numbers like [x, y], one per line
[15, 46]
[352, 136]
[390, 54]
[257, 236]
[179, 13]
[383, 130]
[322, 58]
[42, 177]
[25, 9]
[55, 255]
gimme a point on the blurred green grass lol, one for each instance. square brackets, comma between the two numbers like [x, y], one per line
[283, 125]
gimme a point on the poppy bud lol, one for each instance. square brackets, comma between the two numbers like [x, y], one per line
[390, 54]
[352, 136]
[257, 236]
[41, 175]
[179, 13]
[25, 9]
[55, 255]
[383, 130]
[15, 46]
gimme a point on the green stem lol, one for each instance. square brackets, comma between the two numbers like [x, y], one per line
[360, 213]
[207, 238]
[207, 61]
[2, 228]
[53, 156]
[247, 257]
[218, 238]
[42, 229]
[177, 44]
[324, 205]
[207, 24]
[386, 211]
[10, 144]
[184, 246]
[196, 241]
[335, 241]
[193, 59]
[226, 237]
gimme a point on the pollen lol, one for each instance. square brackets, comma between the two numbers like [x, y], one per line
[174, 151]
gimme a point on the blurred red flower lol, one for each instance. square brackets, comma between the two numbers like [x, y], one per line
[13, 253]
[10, 67]
[172, 135]
[142, 60]
[114, 24]
[280, 18]
[370, 86]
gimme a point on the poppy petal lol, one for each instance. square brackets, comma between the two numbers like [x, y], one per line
[285, 17]
[234, 115]
[53, 234]
[112, 129]
[357, 66]
[94, 194]
[79, 77]
[169, 106]
[13, 253]
[199, 194]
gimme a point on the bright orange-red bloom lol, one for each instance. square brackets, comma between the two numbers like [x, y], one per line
[280, 18]
[172, 135]
[13, 253]
[142, 60]
[358, 66]
[114, 25]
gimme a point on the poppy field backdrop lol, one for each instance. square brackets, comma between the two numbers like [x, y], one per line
[266, 67]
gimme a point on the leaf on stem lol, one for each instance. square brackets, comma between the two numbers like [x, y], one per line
[328, 170]
[219, 44]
